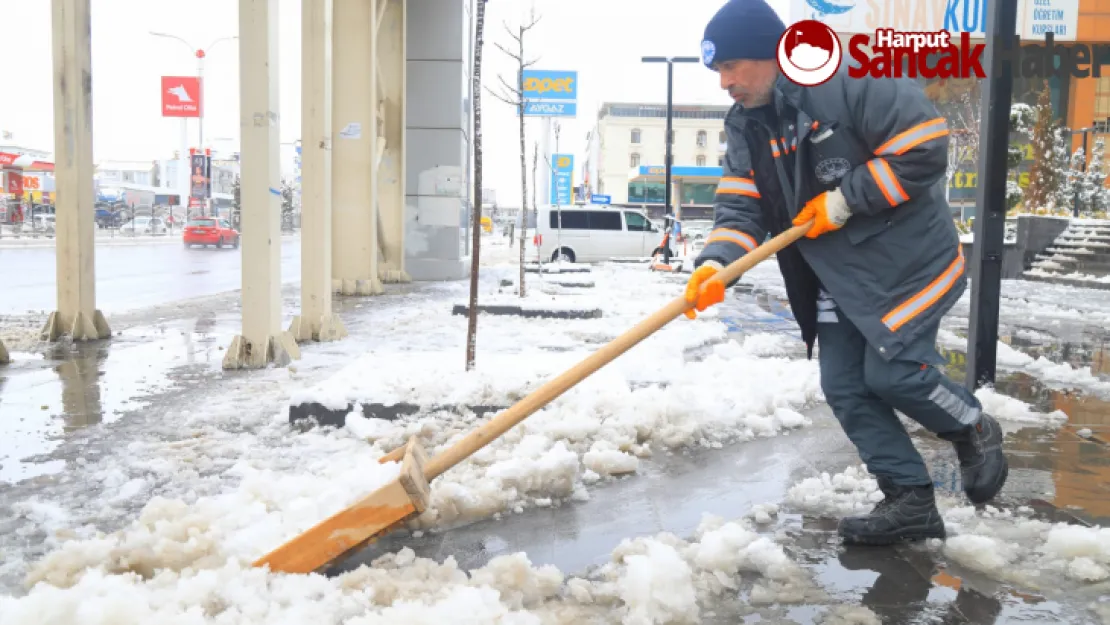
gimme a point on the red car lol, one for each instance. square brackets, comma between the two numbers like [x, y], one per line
[210, 231]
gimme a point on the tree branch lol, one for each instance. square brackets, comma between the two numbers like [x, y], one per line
[515, 36]
[509, 88]
[511, 55]
[532, 62]
[501, 97]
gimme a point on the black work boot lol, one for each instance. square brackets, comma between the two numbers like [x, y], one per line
[906, 513]
[983, 466]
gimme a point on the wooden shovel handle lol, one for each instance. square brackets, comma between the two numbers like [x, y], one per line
[495, 427]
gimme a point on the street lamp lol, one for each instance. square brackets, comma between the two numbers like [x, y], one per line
[200, 53]
[670, 61]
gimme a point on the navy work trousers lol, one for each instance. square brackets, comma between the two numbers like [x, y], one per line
[864, 390]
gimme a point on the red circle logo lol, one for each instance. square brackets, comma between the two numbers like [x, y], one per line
[809, 53]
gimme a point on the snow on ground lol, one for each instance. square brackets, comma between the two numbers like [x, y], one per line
[1051, 373]
[242, 486]
[648, 580]
[19, 334]
[1007, 545]
[596, 429]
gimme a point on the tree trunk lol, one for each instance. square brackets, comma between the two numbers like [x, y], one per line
[476, 216]
[523, 164]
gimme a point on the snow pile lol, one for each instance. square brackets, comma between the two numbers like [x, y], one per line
[1006, 408]
[1052, 373]
[648, 581]
[1006, 545]
[1037, 554]
[600, 428]
[265, 510]
[852, 491]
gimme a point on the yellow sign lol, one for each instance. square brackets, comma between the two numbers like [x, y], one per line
[655, 171]
[544, 85]
[563, 162]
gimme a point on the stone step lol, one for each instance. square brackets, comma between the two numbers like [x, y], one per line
[1064, 280]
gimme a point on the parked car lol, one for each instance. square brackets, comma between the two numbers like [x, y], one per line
[210, 231]
[44, 224]
[143, 226]
[595, 235]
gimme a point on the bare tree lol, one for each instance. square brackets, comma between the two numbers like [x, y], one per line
[514, 96]
[476, 217]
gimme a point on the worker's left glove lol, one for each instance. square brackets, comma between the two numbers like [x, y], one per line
[827, 211]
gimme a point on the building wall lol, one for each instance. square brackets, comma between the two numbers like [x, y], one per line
[437, 135]
[617, 151]
[1090, 97]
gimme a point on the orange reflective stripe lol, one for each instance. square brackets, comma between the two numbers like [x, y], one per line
[887, 181]
[928, 296]
[732, 236]
[775, 149]
[738, 186]
[906, 141]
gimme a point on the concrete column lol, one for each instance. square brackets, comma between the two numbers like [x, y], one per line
[354, 126]
[4, 358]
[391, 164]
[262, 341]
[316, 321]
[437, 148]
[76, 315]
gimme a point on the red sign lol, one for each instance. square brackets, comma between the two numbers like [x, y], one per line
[180, 96]
[15, 183]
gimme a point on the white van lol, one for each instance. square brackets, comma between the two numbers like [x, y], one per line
[596, 234]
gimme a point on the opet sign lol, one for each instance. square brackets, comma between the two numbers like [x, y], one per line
[550, 93]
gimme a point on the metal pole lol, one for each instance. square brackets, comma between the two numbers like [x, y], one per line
[990, 222]
[667, 140]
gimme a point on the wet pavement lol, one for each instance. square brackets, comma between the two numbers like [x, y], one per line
[134, 276]
[171, 355]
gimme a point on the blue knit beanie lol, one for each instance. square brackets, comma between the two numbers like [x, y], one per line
[742, 29]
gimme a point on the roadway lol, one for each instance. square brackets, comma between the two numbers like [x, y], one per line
[132, 276]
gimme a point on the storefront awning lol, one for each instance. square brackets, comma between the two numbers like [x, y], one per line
[656, 173]
[24, 162]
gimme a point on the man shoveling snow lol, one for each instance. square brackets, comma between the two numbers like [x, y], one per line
[875, 274]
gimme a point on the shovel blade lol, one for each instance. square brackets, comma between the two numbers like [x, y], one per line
[367, 520]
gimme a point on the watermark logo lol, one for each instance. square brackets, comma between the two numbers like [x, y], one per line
[809, 53]
[896, 54]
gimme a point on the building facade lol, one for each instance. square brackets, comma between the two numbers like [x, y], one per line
[626, 149]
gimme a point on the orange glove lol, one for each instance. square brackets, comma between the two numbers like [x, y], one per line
[703, 290]
[828, 212]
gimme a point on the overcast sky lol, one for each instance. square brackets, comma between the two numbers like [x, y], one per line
[602, 39]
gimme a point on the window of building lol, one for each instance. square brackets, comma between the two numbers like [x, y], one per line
[636, 222]
[703, 139]
[698, 193]
[646, 192]
[1102, 94]
[634, 160]
[700, 161]
[722, 138]
[720, 161]
[635, 135]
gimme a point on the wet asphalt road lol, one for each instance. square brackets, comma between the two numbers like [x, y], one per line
[129, 277]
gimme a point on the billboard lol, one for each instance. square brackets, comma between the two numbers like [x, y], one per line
[1035, 17]
[199, 188]
[550, 93]
[562, 175]
[181, 96]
